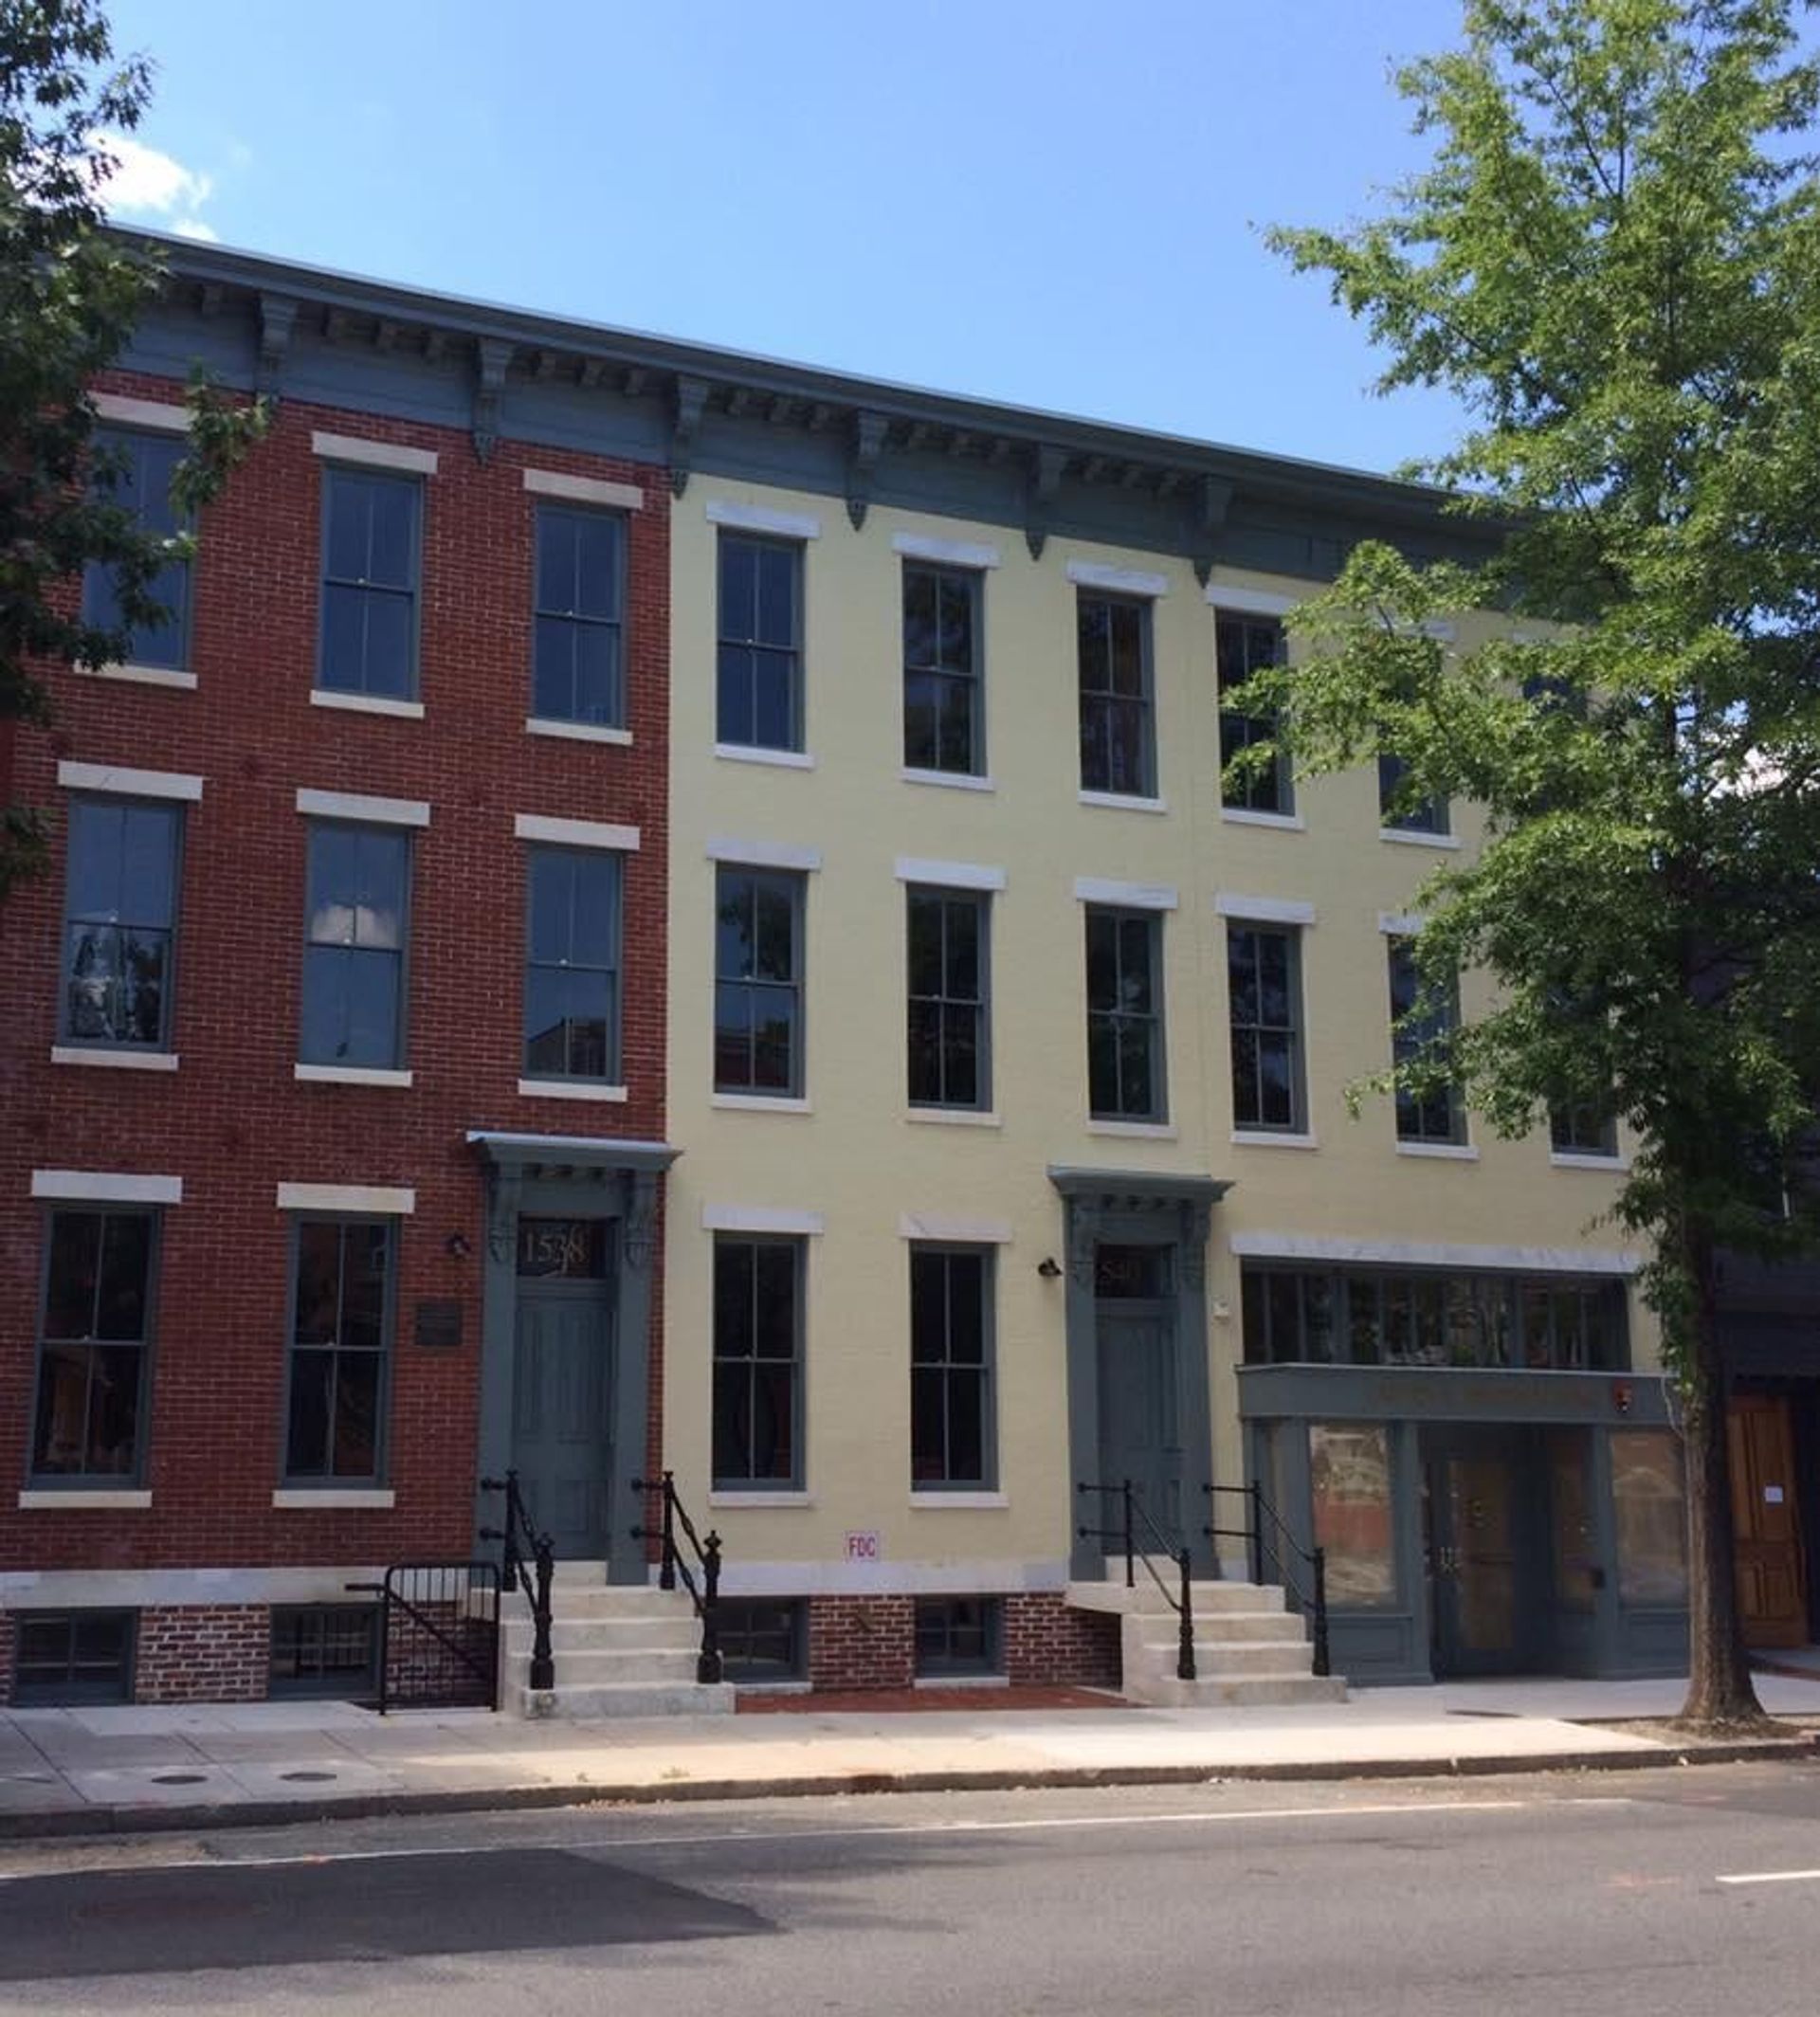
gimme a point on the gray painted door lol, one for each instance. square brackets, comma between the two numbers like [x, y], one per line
[1139, 1437]
[562, 1413]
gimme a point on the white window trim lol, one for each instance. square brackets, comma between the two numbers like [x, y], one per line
[577, 731]
[951, 1116]
[575, 832]
[572, 1089]
[948, 875]
[128, 783]
[131, 675]
[105, 1187]
[756, 753]
[1137, 1130]
[299, 1499]
[1619, 1164]
[953, 780]
[349, 1075]
[761, 1103]
[762, 518]
[1402, 836]
[1116, 580]
[1236, 601]
[1126, 896]
[762, 854]
[752, 1501]
[1263, 910]
[392, 1201]
[1121, 802]
[945, 553]
[361, 703]
[1399, 924]
[374, 454]
[954, 1229]
[584, 489]
[1244, 816]
[761, 1218]
[358, 805]
[157, 415]
[1267, 1138]
[81, 1499]
[110, 1060]
[1445, 1151]
[1426, 1253]
[962, 1503]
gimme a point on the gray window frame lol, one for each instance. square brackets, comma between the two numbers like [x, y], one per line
[731, 536]
[171, 812]
[403, 837]
[970, 677]
[31, 1694]
[990, 1661]
[331, 1684]
[1259, 1032]
[333, 476]
[981, 904]
[613, 864]
[947, 1367]
[1240, 730]
[1430, 815]
[332, 1480]
[1414, 1116]
[1568, 1133]
[48, 1480]
[134, 443]
[795, 882]
[736, 1627]
[1156, 1112]
[1107, 697]
[551, 510]
[797, 1245]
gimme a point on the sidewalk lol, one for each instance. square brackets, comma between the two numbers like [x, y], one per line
[118, 1770]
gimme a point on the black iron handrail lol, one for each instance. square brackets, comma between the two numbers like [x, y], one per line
[522, 1541]
[672, 1566]
[1135, 1511]
[1259, 1539]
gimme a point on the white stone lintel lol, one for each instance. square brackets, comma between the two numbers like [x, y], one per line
[949, 875]
[159, 416]
[383, 1200]
[762, 854]
[760, 1218]
[945, 553]
[106, 1186]
[1126, 896]
[1263, 910]
[125, 783]
[575, 832]
[1116, 580]
[374, 454]
[584, 489]
[361, 806]
[954, 1229]
[763, 519]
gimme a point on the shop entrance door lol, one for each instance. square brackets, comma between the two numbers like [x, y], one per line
[1482, 1557]
[1766, 1524]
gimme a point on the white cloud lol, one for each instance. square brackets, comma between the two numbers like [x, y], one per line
[146, 183]
[195, 227]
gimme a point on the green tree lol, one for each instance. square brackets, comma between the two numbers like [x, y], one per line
[70, 293]
[1612, 262]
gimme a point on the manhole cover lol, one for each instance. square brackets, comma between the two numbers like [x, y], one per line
[307, 1778]
[179, 1778]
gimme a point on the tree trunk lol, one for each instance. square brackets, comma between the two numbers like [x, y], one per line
[1720, 1690]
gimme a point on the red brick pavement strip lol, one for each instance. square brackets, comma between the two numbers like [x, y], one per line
[900, 1701]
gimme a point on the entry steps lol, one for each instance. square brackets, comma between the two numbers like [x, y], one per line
[1250, 1650]
[620, 1650]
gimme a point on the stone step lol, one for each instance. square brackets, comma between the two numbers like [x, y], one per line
[1249, 1691]
[1282, 1626]
[1145, 1598]
[568, 1634]
[627, 1600]
[1217, 1659]
[585, 1574]
[587, 1700]
[645, 1663]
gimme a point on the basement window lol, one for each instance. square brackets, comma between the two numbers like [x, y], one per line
[761, 1639]
[66, 1659]
[959, 1636]
[325, 1650]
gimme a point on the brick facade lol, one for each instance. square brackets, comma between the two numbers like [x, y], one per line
[861, 1642]
[1047, 1643]
[203, 1652]
[870, 1642]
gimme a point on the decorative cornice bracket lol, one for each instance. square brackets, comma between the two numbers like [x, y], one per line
[492, 357]
[1212, 504]
[862, 463]
[276, 321]
[1045, 484]
[691, 398]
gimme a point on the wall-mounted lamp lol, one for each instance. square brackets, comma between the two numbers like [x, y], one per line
[456, 1247]
[1049, 1268]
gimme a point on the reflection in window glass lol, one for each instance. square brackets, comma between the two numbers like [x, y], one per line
[1570, 1519]
[1349, 1471]
[1648, 1501]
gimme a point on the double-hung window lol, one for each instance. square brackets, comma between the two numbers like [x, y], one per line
[1435, 1115]
[341, 1297]
[371, 559]
[572, 985]
[1118, 725]
[120, 923]
[947, 1000]
[1397, 814]
[1242, 644]
[944, 717]
[1583, 1127]
[759, 674]
[132, 472]
[758, 1362]
[951, 1350]
[1125, 1076]
[579, 674]
[93, 1341]
[353, 954]
[1264, 994]
[759, 981]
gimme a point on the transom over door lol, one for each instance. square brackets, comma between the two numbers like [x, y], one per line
[562, 1414]
[1766, 1525]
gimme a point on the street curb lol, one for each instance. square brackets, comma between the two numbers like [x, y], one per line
[124, 1818]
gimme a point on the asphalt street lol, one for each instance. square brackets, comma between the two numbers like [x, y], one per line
[1681, 1894]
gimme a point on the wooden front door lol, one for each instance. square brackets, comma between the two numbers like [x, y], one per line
[1766, 1521]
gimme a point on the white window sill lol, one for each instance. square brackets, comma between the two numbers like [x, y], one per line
[1118, 802]
[1607, 1165]
[758, 1104]
[750, 1502]
[570, 1089]
[778, 759]
[951, 1116]
[577, 731]
[349, 1075]
[949, 780]
[1265, 1139]
[1244, 816]
[1448, 1151]
[173, 676]
[334, 1499]
[359, 703]
[1137, 1130]
[1402, 838]
[959, 1501]
[936, 1682]
[152, 1061]
[84, 1499]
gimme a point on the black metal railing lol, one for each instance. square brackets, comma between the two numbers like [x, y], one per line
[439, 1635]
[527, 1562]
[1302, 1572]
[1135, 1516]
[674, 1567]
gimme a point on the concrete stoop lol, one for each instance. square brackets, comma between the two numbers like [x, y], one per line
[620, 1650]
[1250, 1650]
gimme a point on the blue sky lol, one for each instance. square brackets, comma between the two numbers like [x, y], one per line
[1058, 205]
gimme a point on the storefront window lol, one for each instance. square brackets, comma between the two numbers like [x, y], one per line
[1570, 1519]
[1646, 1496]
[1350, 1474]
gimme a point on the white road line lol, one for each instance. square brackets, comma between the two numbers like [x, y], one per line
[1773, 1877]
